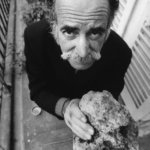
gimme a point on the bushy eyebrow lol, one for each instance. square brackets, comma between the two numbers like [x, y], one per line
[101, 29]
[70, 28]
[91, 29]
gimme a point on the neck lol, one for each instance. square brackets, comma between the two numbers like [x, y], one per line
[76, 71]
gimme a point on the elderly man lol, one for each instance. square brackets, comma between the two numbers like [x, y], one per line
[72, 54]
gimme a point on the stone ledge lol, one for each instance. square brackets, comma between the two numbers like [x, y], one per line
[11, 126]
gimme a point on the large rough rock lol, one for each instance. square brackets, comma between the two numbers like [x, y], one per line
[114, 127]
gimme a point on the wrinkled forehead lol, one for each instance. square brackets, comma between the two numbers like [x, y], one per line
[82, 9]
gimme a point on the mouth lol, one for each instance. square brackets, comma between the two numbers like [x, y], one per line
[78, 62]
[81, 65]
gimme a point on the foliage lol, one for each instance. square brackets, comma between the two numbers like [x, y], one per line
[36, 11]
[44, 1]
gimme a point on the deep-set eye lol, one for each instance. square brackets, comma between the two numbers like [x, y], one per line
[96, 33]
[70, 32]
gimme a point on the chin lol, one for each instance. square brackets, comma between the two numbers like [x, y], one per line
[81, 67]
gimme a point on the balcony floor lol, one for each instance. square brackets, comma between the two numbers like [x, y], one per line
[38, 135]
[36, 129]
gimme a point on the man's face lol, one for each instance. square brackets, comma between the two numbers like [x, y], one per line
[81, 30]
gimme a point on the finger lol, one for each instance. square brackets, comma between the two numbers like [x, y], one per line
[78, 113]
[84, 126]
[75, 110]
[83, 118]
[76, 130]
[79, 132]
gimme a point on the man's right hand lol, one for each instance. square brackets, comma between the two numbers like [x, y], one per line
[77, 121]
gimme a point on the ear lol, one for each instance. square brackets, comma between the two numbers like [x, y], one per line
[107, 34]
[55, 33]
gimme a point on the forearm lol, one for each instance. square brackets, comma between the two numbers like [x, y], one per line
[61, 105]
[41, 83]
[51, 103]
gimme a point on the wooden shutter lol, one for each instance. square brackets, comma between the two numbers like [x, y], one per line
[135, 29]
[123, 15]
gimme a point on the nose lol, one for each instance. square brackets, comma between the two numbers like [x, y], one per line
[83, 46]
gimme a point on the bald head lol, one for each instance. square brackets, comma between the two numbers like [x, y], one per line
[81, 9]
[81, 5]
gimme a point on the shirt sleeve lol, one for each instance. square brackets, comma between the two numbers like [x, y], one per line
[40, 91]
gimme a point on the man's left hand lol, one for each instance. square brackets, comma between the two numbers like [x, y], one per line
[77, 121]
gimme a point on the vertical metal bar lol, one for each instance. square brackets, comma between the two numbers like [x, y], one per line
[7, 8]
[7, 3]
[2, 21]
[4, 7]
[2, 30]
[3, 15]
[4, 11]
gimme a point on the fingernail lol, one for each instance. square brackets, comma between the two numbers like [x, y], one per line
[88, 137]
[91, 131]
[83, 119]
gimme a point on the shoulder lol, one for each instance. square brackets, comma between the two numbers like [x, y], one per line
[35, 37]
[37, 30]
[117, 48]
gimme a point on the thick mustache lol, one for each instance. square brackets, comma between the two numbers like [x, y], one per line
[67, 55]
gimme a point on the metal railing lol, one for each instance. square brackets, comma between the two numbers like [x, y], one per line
[4, 14]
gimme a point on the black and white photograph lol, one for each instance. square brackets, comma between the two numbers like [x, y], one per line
[74, 74]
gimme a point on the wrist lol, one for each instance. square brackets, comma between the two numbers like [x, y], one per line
[66, 103]
[59, 106]
[70, 104]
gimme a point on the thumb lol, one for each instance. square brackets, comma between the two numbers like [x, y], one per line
[83, 117]
[79, 113]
